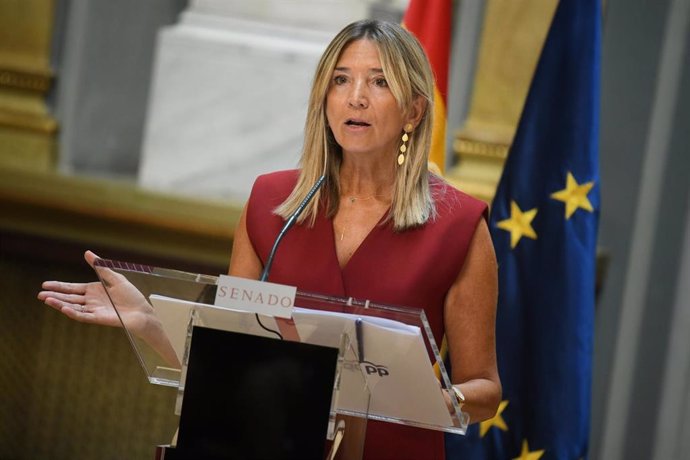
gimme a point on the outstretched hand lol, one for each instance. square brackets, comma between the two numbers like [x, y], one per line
[89, 302]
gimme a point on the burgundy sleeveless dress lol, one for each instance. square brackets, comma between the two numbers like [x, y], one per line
[414, 268]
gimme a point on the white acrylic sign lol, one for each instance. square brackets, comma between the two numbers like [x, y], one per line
[255, 296]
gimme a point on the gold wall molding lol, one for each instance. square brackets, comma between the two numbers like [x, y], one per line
[27, 129]
[117, 215]
[28, 122]
[472, 147]
[38, 81]
[512, 36]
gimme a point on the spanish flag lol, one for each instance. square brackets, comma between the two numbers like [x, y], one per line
[430, 22]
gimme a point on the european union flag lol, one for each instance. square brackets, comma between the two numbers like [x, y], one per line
[544, 225]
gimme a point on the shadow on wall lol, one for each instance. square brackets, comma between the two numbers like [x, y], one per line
[70, 390]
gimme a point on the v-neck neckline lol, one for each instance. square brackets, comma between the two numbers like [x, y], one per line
[334, 250]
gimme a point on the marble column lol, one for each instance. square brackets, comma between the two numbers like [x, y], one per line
[229, 92]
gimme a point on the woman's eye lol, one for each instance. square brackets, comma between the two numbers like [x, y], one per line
[381, 82]
[339, 79]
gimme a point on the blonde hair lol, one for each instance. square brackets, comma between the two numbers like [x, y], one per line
[408, 73]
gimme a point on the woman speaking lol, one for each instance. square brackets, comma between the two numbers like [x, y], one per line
[380, 227]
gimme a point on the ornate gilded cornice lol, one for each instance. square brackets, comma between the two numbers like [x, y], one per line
[37, 81]
[480, 148]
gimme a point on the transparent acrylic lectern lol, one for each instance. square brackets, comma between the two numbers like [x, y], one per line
[388, 364]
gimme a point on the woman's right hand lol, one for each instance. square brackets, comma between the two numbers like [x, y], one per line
[90, 303]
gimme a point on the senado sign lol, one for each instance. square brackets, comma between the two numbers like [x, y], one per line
[255, 296]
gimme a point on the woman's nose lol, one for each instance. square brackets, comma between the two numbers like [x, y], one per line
[358, 97]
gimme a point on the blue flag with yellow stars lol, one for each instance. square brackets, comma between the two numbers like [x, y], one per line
[543, 222]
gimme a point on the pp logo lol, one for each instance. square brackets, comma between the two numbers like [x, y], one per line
[374, 369]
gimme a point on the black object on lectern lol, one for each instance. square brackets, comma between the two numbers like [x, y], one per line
[250, 397]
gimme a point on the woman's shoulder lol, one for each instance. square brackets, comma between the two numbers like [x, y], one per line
[277, 180]
[268, 192]
[275, 186]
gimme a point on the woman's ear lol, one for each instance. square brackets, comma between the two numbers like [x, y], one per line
[417, 111]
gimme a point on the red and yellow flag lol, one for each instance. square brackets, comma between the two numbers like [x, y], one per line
[430, 22]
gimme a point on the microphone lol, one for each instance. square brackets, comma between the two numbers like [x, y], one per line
[290, 222]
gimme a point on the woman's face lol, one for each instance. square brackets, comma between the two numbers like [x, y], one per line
[361, 110]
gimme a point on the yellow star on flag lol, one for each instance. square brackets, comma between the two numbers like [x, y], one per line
[496, 421]
[574, 195]
[527, 455]
[519, 224]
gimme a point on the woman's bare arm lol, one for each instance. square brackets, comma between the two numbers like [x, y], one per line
[244, 262]
[470, 321]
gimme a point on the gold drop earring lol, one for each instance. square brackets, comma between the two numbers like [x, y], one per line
[403, 147]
